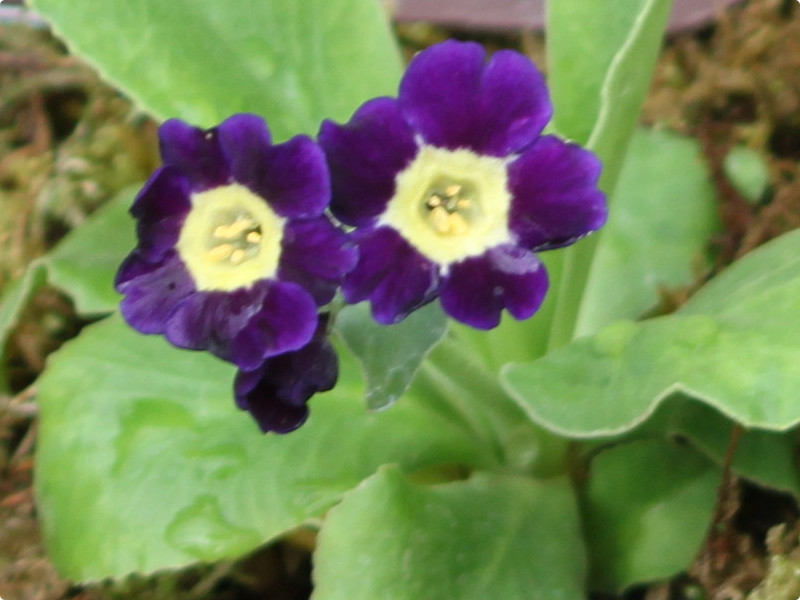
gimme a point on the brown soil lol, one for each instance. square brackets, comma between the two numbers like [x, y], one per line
[61, 129]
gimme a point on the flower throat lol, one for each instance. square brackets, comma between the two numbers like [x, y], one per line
[450, 206]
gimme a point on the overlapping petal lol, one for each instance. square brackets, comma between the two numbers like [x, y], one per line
[160, 209]
[317, 256]
[276, 392]
[391, 274]
[196, 153]
[292, 176]
[364, 157]
[247, 325]
[152, 290]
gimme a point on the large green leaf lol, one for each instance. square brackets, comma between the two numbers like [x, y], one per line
[295, 63]
[144, 462]
[583, 44]
[735, 346]
[390, 355]
[492, 536]
[664, 190]
[638, 27]
[647, 507]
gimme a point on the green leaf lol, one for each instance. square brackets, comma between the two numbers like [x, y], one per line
[748, 171]
[82, 265]
[647, 507]
[492, 536]
[665, 190]
[85, 263]
[145, 463]
[295, 63]
[735, 345]
[584, 43]
[765, 457]
[624, 86]
[390, 355]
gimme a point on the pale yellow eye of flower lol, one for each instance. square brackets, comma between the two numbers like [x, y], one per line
[451, 204]
[230, 239]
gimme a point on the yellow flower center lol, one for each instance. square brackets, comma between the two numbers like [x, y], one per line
[451, 204]
[231, 238]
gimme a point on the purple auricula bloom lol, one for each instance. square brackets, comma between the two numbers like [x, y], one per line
[235, 251]
[452, 188]
[276, 394]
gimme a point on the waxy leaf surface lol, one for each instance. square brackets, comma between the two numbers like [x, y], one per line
[647, 507]
[492, 536]
[663, 215]
[735, 345]
[143, 440]
[390, 355]
[294, 63]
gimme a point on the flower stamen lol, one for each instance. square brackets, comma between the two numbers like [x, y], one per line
[241, 240]
[450, 207]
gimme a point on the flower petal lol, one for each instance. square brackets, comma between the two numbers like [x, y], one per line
[437, 93]
[276, 393]
[364, 157]
[455, 100]
[195, 152]
[391, 274]
[316, 255]
[555, 196]
[152, 290]
[295, 179]
[513, 104]
[476, 290]
[292, 177]
[246, 325]
[160, 210]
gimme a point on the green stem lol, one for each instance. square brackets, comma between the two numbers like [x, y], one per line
[471, 390]
[575, 273]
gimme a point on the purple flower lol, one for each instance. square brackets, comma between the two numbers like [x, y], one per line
[276, 393]
[235, 252]
[452, 188]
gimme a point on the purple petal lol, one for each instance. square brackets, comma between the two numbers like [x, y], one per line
[152, 290]
[246, 325]
[316, 255]
[160, 209]
[438, 92]
[513, 104]
[456, 101]
[555, 196]
[364, 157]
[245, 141]
[292, 177]
[275, 416]
[391, 274]
[476, 290]
[195, 152]
[276, 393]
